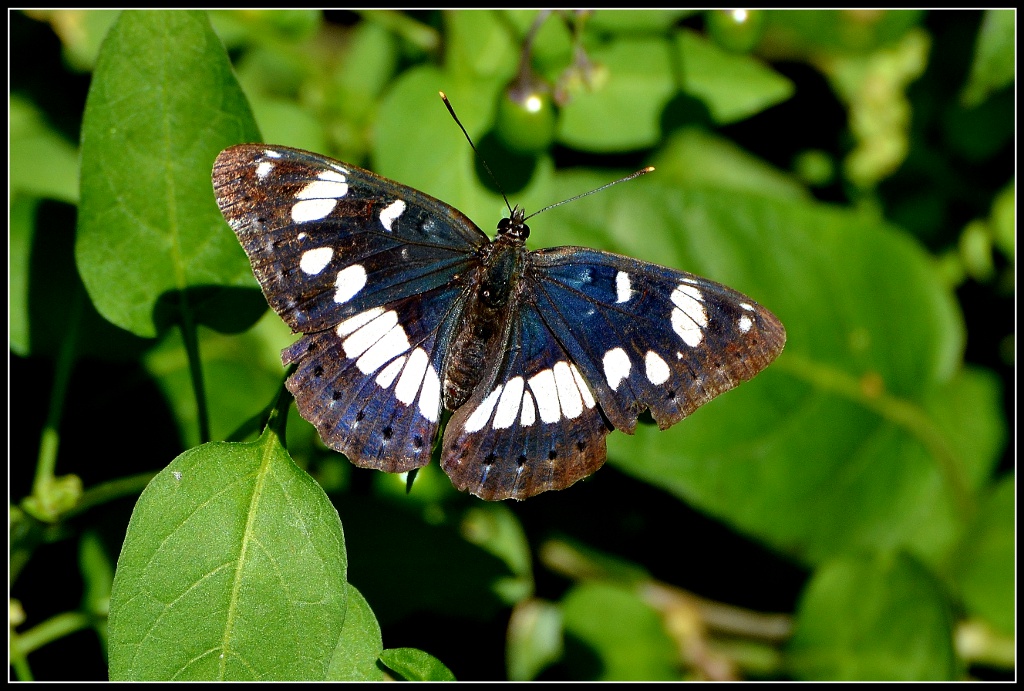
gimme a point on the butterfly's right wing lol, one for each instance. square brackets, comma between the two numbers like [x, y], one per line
[371, 272]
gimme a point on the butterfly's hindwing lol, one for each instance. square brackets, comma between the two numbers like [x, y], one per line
[329, 240]
[371, 386]
[648, 337]
[532, 424]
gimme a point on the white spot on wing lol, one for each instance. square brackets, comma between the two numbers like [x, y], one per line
[349, 282]
[745, 323]
[657, 369]
[568, 395]
[430, 395]
[312, 209]
[691, 334]
[271, 153]
[529, 415]
[391, 345]
[482, 414]
[747, 307]
[546, 392]
[412, 376]
[314, 261]
[387, 375]
[689, 316]
[588, 397]
[369, 333]
[508, 406]
[389, 215]
[623, 290]
[616, 367]
[263, 169]
[330, 184]
[352, 323]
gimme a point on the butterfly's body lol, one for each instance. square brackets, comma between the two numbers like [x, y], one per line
[406, 307]
[494, 291]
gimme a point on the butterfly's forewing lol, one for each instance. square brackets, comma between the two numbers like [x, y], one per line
[600, 338]
[532, 424]
[369, 271]
[648, 337]
[328, 240]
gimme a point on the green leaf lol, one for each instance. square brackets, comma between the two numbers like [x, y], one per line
[411, 664]
[21, 215]
[622, 109]
[696, 158]
[42, 163]
[636, 21]
[233, 567]
[495, 528]
[611, 634]
[48, 305]
[734, 87]
[994, 64]
[984, 566]
[162, 103]
[637, 77]
[864, 618]
[534, 639]
[810, 33]
[479, 45]
[355, 658]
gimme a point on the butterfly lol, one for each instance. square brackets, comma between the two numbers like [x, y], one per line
[407, 309]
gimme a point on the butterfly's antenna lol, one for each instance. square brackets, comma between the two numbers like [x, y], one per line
[470, 140]
[642, 171]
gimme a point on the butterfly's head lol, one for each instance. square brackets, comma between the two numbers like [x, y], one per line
[515, 225]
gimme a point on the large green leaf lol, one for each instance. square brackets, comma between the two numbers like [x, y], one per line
[355, 658]
[151, 242]
[233, 567]
[864, 618]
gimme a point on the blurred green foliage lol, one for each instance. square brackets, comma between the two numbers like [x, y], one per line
[849, 514]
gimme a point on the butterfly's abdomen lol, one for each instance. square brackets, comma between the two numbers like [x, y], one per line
[483, 329]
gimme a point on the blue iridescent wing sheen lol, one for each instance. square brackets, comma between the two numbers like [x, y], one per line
[631, 336]
[371, 386]
[650, 337]
[369, 270]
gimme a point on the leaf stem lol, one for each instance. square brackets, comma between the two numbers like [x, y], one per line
[190, 337]
[49, 443]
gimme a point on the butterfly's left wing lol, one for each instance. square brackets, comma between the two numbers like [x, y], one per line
[369, 271]
[599, 339]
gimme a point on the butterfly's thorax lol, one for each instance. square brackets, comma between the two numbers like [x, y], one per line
[495, 288]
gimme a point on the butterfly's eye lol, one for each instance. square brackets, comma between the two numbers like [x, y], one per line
[503, 225]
